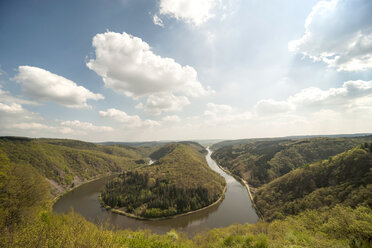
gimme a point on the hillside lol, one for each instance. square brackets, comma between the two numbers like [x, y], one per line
[166, 149]
[67, 163]
[261, 161]
[26, 219]
[179, 181]
[343, 179]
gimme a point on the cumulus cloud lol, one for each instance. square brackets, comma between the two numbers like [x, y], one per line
[7, 97]
[270, 107]
[171, 118]
[12, 111]
[352, 95]
[120, 116]
[127, 120]
[339, 33]
[163, 102]
[221, 113]
[349, 93]
[214, 109]
[11, 108]
[128, 65]
[85, 126]
[31, 126]
[157, 21]
[58, 129]
[42, 85]
[191, 11]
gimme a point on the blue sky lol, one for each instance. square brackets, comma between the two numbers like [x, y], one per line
[128, 70]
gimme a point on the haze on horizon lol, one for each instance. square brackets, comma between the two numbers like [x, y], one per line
[139, 70]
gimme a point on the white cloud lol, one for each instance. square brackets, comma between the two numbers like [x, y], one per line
[163, 102]
[270, 107]
[11, 108]
[221, 113]
[310, 111]
[31, 126]
[120, 116]
[127, 65]
[85, 126]
[42, 85]
[214, 109]
[339, 33]
[150, 123]
[191, 11]
[171, 118]
[66, 130]
[350, 92]
[157, 21]
[351, 96]
[12, 111]
[6, 97]
[128, 120]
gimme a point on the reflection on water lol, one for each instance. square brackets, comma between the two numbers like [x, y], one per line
[235, 208]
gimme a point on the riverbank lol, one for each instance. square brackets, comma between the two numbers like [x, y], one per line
[246, 185]
[55, 199]
[251, 196]
[121, 212]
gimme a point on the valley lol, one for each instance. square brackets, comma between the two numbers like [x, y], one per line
[315, 184]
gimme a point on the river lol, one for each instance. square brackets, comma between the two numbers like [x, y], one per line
[236, 207]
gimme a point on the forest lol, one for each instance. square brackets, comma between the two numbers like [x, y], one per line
[179, 181]
[342, 179]
[132, 193]
[259, 161]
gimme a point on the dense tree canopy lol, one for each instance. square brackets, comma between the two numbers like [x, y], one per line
[180, 181]
[132, 193]
[261, 161]
[343, 179]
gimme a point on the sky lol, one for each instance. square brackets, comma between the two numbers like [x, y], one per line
[144, 70]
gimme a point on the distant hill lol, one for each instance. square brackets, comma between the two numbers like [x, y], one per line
[135, 144]
[167, 149]
[342, 179]
[261, 161]
[224, 143]
[67, 163]
[179, 181]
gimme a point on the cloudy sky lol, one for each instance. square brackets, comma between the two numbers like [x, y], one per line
[135, 70]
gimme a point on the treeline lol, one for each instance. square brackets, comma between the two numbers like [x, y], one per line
[261, 161]
[133, 193]
[343, 179]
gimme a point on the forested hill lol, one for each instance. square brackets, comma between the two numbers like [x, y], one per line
[67, 163]
[343, 179]
[179, 181]
[168, 148]
[261, 161]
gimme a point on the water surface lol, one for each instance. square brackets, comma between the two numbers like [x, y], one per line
[236, 207]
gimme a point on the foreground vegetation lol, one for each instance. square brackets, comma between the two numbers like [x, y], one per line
[179, 181]
[261, 161]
